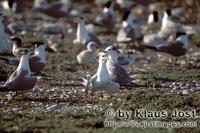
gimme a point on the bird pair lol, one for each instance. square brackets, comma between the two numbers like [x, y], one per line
[101, 80]
[111, 71]
[37, 60]
[21, 78]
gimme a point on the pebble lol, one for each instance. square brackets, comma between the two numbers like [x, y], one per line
[54, 107]
[186, 92]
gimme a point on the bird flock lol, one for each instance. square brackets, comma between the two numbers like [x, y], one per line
[160, 32]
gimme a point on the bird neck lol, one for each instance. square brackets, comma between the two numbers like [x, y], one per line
[82, 32]
[184, 40]
[150, 19]
[24, 63]
[102, 72]
[14, 47]
[164, 20]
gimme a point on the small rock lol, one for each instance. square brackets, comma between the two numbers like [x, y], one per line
[55, 107]
[186, 92]
[176, 88]
[173, 92]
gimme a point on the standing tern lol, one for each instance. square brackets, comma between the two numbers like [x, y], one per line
[101, 80]
[21, 78]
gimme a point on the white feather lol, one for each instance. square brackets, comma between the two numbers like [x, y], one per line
[24, 64]
[40, 52]
[82, 33]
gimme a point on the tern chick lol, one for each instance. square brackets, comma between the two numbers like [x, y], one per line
[37, 61]
[86, 57]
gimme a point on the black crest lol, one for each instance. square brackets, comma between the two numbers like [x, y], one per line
[108, 4]
[169, 12]
[155, 16]
[180, 34]
[10, 3]
[16, 39]
[126, 14]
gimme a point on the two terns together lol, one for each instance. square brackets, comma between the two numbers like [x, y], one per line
[22, 78]
[110, 74]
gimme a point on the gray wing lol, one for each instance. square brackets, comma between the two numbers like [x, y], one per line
[119, 74]
[13, 77]
[20, 81]
[123, 60]
[13, 80]
[112, 87]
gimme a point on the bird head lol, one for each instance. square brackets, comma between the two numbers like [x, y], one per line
[103, 57]
[16, 40]
[79, 19]
[92, 46]
[112, 50]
